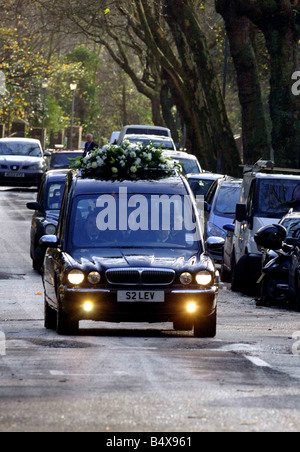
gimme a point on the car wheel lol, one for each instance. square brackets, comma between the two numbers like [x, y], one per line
[225, 275]
[206, 326]
[66, 325]
[238, 275]
[50, 317]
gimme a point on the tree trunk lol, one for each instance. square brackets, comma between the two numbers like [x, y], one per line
[256, 143]
[284, 106]
[203, 82]
[279, 22]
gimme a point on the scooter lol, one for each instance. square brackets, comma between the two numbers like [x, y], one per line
[281, 257]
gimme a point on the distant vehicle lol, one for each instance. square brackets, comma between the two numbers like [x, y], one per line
[267, 195]
[114, 137]
[201, 183]
[45, 217]
[189, 162]
[157, 141]
[61, 159]
[143, 130]
[22, 162]
[220, 208]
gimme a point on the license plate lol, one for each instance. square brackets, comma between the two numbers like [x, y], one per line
[14, 174]
[141, 297]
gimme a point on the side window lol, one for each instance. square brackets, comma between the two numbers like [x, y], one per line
[40, 196]
[250, 201]
[62, 216]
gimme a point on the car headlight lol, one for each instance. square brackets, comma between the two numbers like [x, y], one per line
[76, 277]
[186, 278]
[50, 229]
[214, 231]
[204, 278]
[94, 278]
[35, 166]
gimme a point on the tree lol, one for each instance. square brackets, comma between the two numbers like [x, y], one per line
[279, 22]
[194, 79]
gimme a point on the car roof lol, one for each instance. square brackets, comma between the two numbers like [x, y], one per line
[21, 140]
[147, 136]
[230, 181]
[141, 126]
[276, 176]
[180, 154]
[59, 174]
[67, 152]
[170, 185]
[206, 175]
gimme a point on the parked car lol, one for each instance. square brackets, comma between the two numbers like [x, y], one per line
[201, 183]
[99, 268]
[61, 159]
[267, 195]
[189, 162]
[156, 141]
[22, 162]
[143, 130]
[220, 208]
[46, 213]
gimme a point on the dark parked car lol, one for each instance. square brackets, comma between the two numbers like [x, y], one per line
[61, 159]
[113, 258]
[45, 217]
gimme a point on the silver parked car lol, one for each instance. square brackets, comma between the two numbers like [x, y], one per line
[22, 162]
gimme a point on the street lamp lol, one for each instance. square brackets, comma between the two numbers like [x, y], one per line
[73, 87]
[45, 84]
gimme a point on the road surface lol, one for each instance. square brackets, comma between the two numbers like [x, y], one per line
[138, 377]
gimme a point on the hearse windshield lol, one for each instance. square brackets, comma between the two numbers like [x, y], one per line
[275, 197]
[133, 221]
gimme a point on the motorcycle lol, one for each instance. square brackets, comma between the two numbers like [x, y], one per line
[280, 273]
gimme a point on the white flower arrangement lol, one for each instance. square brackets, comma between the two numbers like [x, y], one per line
[128, 159]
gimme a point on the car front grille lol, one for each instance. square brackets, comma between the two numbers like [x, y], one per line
[140, 276]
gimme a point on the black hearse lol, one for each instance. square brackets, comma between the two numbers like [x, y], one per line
[131, 251]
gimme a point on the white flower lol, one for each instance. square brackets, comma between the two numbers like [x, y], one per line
[133, 169]
[133, 154]
[114, 170]
[138, 161]
[94, 165]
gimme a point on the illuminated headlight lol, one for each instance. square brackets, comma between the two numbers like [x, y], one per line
[88, 306]
[191, 307]
[204, 278]
[186, 278]
[76, 277]
[94, 278]
[50, 229]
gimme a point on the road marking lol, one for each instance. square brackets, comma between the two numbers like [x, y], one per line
[257, 361]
